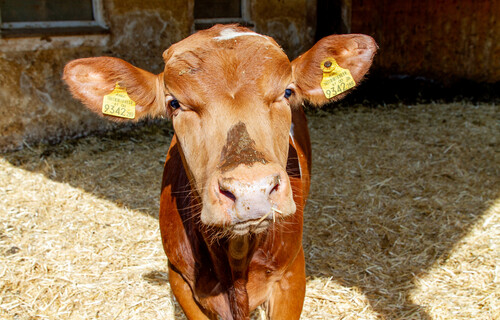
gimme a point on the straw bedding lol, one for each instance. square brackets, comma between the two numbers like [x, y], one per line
[403, 220]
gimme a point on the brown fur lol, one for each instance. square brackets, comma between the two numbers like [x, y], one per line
[233, 124]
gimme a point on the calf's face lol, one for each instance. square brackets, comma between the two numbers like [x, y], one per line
[228, 95]
[229, 92]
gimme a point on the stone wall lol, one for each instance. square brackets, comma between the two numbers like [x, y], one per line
[34, 103]
[291, 23]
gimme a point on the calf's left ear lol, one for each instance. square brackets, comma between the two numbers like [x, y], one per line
[319, 74]
[90, 80]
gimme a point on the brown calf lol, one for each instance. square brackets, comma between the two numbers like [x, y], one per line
[236, 176]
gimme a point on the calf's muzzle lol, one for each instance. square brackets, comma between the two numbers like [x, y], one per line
[248, 199]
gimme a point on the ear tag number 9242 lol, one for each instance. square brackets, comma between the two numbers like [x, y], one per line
[118, 104]
[335, 78]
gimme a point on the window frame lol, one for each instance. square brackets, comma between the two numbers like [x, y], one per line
[57, 27]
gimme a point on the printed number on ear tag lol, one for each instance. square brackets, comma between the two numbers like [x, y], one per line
[118, 104]
[335, 78]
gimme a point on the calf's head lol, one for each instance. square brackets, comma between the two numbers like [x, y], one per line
[229, 92]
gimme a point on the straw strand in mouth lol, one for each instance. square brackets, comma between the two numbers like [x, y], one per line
[275, 210]
[263, 217]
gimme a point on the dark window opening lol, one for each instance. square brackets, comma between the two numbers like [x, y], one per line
[210, 9]
[50, 17]
[210, 12]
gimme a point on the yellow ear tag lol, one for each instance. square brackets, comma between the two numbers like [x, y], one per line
[118, 104]
[335, 78]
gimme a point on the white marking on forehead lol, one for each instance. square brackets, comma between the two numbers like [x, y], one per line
[228, 34]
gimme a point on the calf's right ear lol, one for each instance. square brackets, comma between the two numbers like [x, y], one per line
[353, 52]
[90, 79]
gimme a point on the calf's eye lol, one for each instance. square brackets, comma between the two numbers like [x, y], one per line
[175, 104]
[288, 93]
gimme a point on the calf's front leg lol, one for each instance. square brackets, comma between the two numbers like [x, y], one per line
[287, 297]
[184, 295]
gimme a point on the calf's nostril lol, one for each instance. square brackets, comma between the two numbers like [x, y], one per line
[275, 183]
[228, 194]
[275, 188]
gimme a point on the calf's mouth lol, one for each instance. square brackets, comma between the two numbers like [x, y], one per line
[254, 226]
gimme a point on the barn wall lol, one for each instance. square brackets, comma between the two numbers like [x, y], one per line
[35, 105]
[447, 40]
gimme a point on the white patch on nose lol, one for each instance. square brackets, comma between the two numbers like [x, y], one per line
[228, 34]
